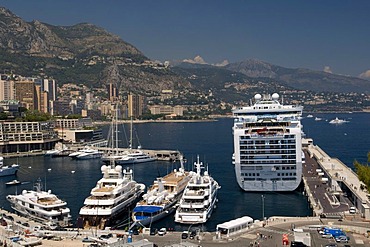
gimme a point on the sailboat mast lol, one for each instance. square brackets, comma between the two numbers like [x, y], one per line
[116, 130]
[131, 133]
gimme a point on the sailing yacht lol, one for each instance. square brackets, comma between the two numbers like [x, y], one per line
[114, 154]
[199, 198]
[134, 156]
[112, 196]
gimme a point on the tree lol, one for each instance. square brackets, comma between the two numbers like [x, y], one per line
[363, 171]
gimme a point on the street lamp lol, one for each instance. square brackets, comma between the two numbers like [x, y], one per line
[263, 207]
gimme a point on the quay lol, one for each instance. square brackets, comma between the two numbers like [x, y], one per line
[332, 187]
[162, 155]
[268, 233]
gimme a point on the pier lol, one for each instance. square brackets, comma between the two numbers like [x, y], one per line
[332, 187]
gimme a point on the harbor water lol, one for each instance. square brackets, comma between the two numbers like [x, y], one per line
[72, 180]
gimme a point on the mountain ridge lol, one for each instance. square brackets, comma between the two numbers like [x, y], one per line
[90, 55]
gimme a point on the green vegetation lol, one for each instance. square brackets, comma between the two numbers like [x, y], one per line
[363, 172]
[35, 116]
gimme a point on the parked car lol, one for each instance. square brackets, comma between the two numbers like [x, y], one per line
[327, 235]
[341, 239]
[192, 234]
[153, 231]
[184, 235]
[162, 232]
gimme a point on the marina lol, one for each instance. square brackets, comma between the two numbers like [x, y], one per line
[274, 203]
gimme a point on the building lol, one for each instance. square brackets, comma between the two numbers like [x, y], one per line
[27, 136]
[167, 110]
[112, 92]
[26, 93]
[11, 107]
[135, 105]
[7, 88]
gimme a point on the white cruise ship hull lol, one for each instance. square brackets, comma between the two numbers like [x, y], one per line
[268, 145]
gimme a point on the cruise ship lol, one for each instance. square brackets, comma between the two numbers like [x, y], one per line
[268, 145]
[41, 206]
[112, 196]
[161, 198]
[199, 198]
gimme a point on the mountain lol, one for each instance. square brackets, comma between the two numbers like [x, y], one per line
[303, 79]
[89, 55]
[82, 53]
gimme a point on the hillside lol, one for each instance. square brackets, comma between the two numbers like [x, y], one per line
[89, 55]
[82, 53]
[303, 79]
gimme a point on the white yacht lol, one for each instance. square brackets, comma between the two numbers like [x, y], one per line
[199, 198]
[6, 170]
[86, 153]
[41, 206]
[268, 145]
[161, 198]
[133, 157]
[59, 148]
[110, 198]
[338, 121]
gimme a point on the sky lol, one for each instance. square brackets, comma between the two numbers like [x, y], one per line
[330, 35]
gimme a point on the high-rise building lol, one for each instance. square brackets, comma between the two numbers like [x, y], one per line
[49, 89]
[112, 92]
[135, 104]
[7, 88]
[26, 93]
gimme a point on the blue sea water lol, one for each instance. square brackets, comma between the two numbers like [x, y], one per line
[213, 142]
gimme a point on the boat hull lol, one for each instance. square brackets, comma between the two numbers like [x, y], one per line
[133, 161]
[8, 171]
[149, 220]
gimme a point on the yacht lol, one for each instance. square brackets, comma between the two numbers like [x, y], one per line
[112, 196]
[89, 154]
[7, 170]
[86, 153]
[41, 206]
[58, 149]
[113, 139]
[161, 198]
[133, 157]
[199, 198]
[13, 182]
[268, 145]
[337, 121]
[318, 119]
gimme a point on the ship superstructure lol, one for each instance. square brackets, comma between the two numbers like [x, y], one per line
[112, 196]
[268, 145]
[41, 206]
[199, 198]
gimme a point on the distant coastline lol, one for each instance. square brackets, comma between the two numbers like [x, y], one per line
[161, 121]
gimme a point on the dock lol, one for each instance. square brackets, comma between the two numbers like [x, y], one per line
[332, 187]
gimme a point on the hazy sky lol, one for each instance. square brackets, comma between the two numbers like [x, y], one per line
[331, 34]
